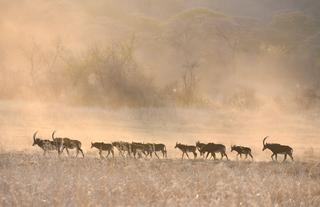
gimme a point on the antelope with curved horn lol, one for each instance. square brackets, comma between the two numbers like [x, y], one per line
[277, 149]
[66, 143]
[44, 144]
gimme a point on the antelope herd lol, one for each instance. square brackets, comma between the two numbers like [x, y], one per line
[138, 149]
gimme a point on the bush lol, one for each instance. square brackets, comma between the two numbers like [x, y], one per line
[112, 76]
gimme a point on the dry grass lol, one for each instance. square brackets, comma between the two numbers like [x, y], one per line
[29, 179]
[33, 180]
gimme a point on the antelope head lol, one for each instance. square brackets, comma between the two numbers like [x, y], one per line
[176, 145]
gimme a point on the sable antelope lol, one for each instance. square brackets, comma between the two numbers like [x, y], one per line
[154, 148]
[160, 148]
[139, 148]
[149, 149]
[101, 146]
[212, 148]
[66, 143]
[58, 142]
[122, 147]
[44, 144]
[277, 149]
[242, 150]
[199, 146]
[187, 148]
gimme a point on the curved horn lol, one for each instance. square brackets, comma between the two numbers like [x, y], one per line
[264, 140]
[34, 136]
[53, 135]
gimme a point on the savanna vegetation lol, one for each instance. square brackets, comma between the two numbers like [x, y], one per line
[117, 182]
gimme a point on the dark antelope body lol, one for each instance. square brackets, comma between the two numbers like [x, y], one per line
[277, 149]
[242, 150]
[199, 146]
[123, 147]
[44, 144]
[66, 143]
[140, 148]
[152, 148]
[212, 148]
[148, 149]
[101, 146]
[187, 148]
[159, 148]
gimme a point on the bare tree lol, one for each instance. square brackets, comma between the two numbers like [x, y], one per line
[231, 36]
[31, 56]
[189, 83]
[42, 63]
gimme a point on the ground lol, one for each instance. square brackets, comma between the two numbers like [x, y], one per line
[34, 180]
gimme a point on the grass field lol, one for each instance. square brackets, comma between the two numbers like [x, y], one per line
[34, 180]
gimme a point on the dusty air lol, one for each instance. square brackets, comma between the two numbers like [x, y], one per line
[159, 103]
